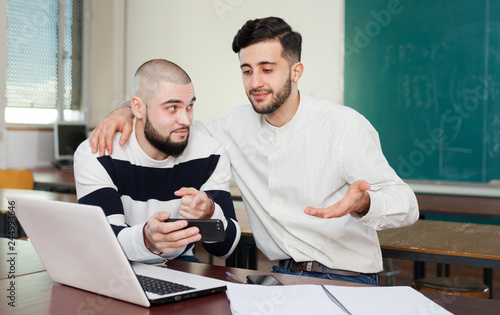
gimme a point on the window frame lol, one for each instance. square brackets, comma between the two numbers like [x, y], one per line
[60, 71]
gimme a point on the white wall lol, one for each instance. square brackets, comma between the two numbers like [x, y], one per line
[197, 35]
[29, 148]
[104, 57]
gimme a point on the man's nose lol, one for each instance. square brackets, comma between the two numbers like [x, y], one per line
[256, 81]
[184, 118]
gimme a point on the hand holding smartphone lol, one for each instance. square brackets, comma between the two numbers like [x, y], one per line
[211, 230]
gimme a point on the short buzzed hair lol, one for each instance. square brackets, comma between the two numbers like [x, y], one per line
[152, 72]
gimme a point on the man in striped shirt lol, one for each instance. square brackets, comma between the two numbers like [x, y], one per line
[159, 174]
[314, 180]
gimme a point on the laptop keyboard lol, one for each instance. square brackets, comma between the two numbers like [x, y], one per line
[161, 287]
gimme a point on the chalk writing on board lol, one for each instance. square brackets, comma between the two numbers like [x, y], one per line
[470, 92]
[417, 90]
[448, 146]
[494, 135]
[444, 131]
[409, 53]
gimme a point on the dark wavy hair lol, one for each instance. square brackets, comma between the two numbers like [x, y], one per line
[266, 29]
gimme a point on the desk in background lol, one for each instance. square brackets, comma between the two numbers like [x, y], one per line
[459, 206]
[467, 244]
[54, 179]
[455, 243]
[480, 209]
[36, 293]
[39, 194]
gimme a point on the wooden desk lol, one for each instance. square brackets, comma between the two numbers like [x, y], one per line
[465, 244]
[459, 207]
[36, 293]
[453, 243]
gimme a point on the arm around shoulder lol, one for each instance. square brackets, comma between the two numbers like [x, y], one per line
[121, 119]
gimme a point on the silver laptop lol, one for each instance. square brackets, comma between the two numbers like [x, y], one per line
[79, 248]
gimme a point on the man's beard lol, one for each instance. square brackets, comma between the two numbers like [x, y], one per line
[164, 144]
[278, 99]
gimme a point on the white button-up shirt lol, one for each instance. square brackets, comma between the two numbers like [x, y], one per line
[311, 161]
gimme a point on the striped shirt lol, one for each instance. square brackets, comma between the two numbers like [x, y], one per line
[130, 187]
[311, 161]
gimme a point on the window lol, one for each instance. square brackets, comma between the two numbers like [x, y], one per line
[44, 61]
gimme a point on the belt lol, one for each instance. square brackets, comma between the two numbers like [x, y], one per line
[314, 266]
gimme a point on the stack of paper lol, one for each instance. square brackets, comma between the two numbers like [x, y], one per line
[313, 300]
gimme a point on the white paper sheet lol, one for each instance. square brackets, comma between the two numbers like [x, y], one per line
[247, 299]
[385, 300]
[312, 300]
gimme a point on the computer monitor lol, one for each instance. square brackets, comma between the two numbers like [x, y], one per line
[67, 138]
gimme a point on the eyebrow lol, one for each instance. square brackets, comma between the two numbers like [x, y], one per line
[175, 101]
[260, 64]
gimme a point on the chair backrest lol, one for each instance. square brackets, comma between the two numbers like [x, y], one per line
[20, 179]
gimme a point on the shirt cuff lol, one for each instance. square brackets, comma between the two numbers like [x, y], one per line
[213, 205]
[219, 214]
[375, 211]
[132, 241]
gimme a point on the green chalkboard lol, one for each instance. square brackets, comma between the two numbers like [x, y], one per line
[426, 73]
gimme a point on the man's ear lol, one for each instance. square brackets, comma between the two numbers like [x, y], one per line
[296, 72]
[137, 106]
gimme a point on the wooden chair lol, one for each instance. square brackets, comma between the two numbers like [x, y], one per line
[454, 286]
[20, 179]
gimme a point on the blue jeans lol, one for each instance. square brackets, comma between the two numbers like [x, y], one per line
[361, 279]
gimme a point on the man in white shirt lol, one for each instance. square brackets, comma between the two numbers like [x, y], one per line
[314, 180]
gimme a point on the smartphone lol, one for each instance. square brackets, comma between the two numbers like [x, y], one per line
[263, 280]
[211, 230]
